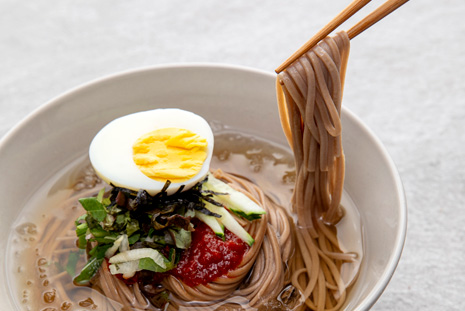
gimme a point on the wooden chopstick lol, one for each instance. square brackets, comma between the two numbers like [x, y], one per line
[374, 17]
[345, 14]
[378, 14]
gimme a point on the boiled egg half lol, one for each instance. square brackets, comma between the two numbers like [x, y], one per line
[145, 149]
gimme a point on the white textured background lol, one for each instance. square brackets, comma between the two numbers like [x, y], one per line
[406, 80]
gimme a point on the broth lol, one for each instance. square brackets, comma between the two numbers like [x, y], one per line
[39, 260]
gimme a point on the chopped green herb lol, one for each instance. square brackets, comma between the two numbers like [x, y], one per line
[88, 271]
[82, 242]
[81, 231]
[132, 226]
[100, 195]
[148, 264]
[99, 251]
[94, 207]
[98, 232]
[134, 238]
[80, 218]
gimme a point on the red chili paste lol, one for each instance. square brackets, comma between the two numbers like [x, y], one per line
[209, 257]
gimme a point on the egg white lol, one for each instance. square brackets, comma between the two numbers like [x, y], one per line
[111, 153]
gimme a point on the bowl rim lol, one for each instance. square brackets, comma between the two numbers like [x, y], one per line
[374, 293]
[54, 101]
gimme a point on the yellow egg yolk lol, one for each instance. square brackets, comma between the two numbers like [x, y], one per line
[170, 154]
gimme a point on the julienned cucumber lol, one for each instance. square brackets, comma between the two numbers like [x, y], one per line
[234, 200]
[212, 222]
[230, 223]
[136, 254]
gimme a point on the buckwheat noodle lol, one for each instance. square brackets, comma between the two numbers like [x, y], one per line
[309, 95]
[260, 277]
[268, 255]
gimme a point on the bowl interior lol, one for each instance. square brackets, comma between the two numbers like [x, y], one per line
[51, 137]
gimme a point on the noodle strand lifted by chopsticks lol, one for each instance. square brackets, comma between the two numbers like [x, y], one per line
[312, 88]
[309, 96]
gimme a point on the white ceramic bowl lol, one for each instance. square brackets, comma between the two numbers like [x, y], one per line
[55, 134]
